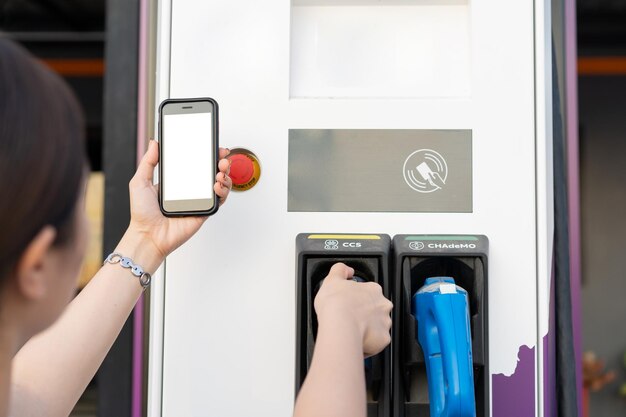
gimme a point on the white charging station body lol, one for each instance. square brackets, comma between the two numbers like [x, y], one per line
[222, 309]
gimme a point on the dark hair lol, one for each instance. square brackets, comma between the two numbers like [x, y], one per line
[42, 153]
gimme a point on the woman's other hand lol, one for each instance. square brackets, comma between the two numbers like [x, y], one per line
[147, 224]
[362, 304]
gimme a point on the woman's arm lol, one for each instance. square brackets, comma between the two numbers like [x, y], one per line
[354, 322]
[53, 369]
[335, 383]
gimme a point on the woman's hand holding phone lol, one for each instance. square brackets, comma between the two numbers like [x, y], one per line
[151, 236]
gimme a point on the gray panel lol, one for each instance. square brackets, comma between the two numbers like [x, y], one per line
[380, 170]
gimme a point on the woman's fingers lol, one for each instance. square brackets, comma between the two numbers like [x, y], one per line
[340, 271]
[224, 166]
[224, 152]
[222, 186]
[145, 170]
[224, 181]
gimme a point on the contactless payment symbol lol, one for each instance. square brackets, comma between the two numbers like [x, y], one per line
[331, 244]
[425, 171]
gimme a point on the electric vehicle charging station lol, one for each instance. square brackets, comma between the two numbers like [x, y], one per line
[401, 117]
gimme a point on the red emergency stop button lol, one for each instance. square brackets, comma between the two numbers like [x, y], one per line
[241, 169]
[245, 169]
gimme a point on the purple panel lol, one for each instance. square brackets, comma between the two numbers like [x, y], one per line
[137, 389]
[138, 354]
[549, 363]
[571, 118]
[514, 396]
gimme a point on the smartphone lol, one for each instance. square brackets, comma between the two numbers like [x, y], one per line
[188, 156]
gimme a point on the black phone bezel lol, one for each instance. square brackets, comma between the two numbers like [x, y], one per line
[215, 207]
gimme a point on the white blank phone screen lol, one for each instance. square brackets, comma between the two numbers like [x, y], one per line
[188, 171]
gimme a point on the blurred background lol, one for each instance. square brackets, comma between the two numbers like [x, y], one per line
[71, 37]
[602, 139]
[93, 44]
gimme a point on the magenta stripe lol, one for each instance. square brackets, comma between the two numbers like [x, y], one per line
[137, 400]
[514, 395]
[571, 118]
[549, 355]
[137, 384]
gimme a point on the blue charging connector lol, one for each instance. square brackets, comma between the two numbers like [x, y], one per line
[443, 331]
